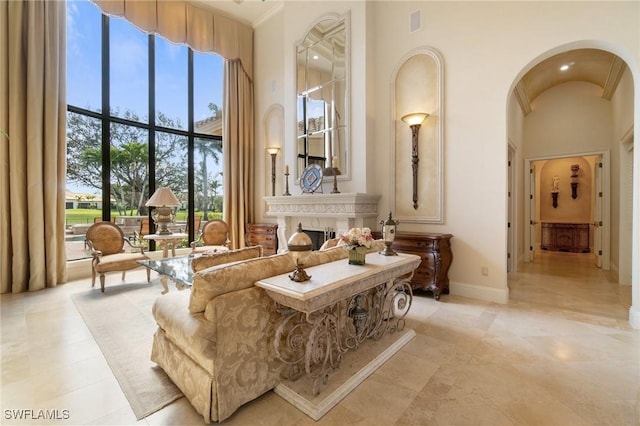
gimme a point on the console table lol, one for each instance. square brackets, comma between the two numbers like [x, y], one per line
[571, 237]
[340, 307]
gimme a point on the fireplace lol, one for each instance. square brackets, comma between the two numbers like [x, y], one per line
[322, 213]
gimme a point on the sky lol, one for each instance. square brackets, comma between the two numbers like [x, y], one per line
[129, 69]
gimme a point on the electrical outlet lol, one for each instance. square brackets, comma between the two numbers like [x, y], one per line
[484, 271]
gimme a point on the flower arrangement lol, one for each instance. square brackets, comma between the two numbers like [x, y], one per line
[357, 237]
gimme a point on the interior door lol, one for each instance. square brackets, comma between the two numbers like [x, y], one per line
[532, 211]
[597, 223]
[510, 248]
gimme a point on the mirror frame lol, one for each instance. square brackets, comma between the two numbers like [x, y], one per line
[345, 152]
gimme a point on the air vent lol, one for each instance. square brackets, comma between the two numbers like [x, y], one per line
[415, 21]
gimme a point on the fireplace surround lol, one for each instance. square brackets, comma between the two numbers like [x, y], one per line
[322, 212]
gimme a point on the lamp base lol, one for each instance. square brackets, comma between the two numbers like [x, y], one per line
[387, 250]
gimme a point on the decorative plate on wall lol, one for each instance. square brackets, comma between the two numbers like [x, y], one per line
[311, 178]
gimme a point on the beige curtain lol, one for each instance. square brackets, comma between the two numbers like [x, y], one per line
[238, 147]
[33, 114]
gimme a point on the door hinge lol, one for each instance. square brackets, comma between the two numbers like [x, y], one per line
[530, 248]
[600, 223]
[600, 165]
[599, 252]
[531, 196]
[600, 194]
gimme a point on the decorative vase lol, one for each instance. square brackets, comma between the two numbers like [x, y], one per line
[357, 255]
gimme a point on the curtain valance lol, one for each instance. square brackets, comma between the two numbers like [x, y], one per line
[182, 22]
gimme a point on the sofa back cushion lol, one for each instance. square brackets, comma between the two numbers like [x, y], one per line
[225, 278]
[218, 258]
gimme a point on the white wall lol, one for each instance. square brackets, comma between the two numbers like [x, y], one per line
[569, 118]
[622, 182]
[486, 46]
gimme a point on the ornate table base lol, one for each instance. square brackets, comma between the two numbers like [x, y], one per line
[314, 343]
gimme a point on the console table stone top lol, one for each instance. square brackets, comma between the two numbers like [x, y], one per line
[335, 281]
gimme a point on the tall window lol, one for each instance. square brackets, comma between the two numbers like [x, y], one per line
[142, 113]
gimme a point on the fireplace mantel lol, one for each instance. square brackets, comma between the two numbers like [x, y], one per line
[337, 212]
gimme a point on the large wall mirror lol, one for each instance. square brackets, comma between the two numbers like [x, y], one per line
[322, 97]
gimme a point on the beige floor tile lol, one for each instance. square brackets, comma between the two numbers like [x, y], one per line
[561, 352]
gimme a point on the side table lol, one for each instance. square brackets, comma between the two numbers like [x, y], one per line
[165, 241]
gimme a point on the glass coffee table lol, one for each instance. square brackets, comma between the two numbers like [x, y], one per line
[177, 269]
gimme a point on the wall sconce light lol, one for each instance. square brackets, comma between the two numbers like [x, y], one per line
[164, 202]
[414, 120]
[273, 151]
[299, 244]
[556, 189]
[388, 235]
[574, 180]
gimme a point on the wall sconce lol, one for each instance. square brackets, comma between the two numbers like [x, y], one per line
[164, 202]
[574, 180]
[299, 244]
[388, 235]
[273, 151]
[556, 189]
[414, 120]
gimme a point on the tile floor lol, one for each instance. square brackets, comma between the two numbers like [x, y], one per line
[560, 352]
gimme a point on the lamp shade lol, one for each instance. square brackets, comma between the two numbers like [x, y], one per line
[163, 197]
[414, 118]
[273, 150]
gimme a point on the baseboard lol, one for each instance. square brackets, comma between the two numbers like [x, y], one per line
[473, 291]
[355, 368]
[634, 317]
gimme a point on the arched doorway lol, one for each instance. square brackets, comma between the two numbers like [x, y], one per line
[572, 115]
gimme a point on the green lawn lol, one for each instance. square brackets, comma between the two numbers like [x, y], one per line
[78, 216]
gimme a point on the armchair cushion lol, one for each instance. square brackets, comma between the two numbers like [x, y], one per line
[119, 262]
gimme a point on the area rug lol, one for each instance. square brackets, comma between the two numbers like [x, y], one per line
[121, 322]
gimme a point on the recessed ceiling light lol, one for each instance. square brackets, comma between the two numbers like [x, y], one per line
[315, 57]
[564, 67]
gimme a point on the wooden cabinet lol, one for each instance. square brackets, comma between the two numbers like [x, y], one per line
[570, 237]
[435, 251]
[262, 234]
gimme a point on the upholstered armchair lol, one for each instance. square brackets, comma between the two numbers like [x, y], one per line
[106, 242]
[214, 237]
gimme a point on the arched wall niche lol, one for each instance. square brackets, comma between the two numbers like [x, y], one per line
[568, 209]
[274, 137]
[417, 86]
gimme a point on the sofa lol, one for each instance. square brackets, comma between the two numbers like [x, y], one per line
[215, 341]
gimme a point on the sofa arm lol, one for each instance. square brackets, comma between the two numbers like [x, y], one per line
[246, 366]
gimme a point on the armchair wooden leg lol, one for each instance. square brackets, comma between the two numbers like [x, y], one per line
[148, 275]
[93, 277]
[123, 273]
[102, 282]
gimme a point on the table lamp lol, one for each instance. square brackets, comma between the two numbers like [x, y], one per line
[164, 202]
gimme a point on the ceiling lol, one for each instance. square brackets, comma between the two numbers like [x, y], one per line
[595, 66]
[250, 12]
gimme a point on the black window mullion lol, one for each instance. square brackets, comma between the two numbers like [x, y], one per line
[106, 127]
[190, 148]
[152, 128]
